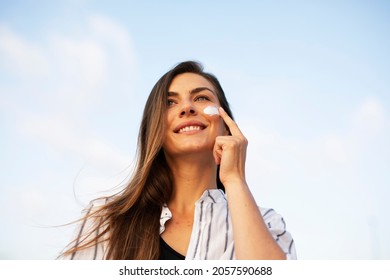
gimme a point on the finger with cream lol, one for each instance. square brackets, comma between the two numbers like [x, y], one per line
[211, 110]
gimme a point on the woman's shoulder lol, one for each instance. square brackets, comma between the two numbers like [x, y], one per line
[273, 219]
[268, 212]
[278, 228]
[88, 241]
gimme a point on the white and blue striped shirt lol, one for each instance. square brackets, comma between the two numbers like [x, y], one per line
[212, 232]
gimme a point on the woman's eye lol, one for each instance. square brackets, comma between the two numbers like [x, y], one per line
[170, 102]
[202, 98]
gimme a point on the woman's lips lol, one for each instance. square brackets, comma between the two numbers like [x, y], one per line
[189, 126]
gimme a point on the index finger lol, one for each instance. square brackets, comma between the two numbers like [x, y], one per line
[233, 127]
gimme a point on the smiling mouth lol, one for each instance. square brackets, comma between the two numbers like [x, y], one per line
[190, 128]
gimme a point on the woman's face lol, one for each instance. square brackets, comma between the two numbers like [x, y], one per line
[189, 128]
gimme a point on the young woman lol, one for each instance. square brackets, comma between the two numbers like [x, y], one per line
[188, 197]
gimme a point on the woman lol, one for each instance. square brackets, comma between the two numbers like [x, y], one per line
[188, 197]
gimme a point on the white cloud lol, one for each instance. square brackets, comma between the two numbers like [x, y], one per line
[76, 70]
[82, 63]
[318, 182]
[330, 149]
[67, 137]
[30, 197]
[334, 148]
[22, 57]
[114, 34]
[61, 111]
[370, 116]
[82, 73]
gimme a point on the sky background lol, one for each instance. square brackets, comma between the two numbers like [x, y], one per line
[308, 83]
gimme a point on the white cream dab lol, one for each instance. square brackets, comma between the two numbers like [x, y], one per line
[211, 110]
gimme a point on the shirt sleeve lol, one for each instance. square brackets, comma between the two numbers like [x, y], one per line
[277, 227]
[84, 232]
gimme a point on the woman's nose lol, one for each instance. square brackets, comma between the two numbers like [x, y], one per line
[188, 109]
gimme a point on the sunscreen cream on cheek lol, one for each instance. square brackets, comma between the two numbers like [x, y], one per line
[211, 110]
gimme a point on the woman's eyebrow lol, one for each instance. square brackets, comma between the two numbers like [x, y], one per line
[192, 91]
[199, 89]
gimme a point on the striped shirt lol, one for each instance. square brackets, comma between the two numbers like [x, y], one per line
[212, 232]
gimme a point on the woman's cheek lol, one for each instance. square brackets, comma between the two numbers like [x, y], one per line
[212, 114]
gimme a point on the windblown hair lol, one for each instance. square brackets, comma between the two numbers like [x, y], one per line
[130, 221]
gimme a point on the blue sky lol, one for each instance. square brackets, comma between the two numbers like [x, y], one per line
[308, 82]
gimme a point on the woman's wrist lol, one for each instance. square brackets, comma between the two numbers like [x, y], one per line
[237, 184]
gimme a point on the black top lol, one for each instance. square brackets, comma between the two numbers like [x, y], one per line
[167, 253]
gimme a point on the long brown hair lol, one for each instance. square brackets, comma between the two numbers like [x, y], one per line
[130, 221]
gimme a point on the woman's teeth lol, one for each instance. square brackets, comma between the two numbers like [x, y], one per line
[189, 128]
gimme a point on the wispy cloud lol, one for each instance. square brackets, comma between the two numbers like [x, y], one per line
[327, 148]
[63, 83]
[370, 117]
[20, 56]
[78, 71]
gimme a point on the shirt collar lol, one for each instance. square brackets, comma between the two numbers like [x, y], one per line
[208, 196]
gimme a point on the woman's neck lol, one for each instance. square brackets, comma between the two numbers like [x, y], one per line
[192, 175]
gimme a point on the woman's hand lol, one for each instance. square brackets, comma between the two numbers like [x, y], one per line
[252, 239]
[230, 152]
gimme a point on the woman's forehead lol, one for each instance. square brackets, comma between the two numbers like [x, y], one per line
[186, 82]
